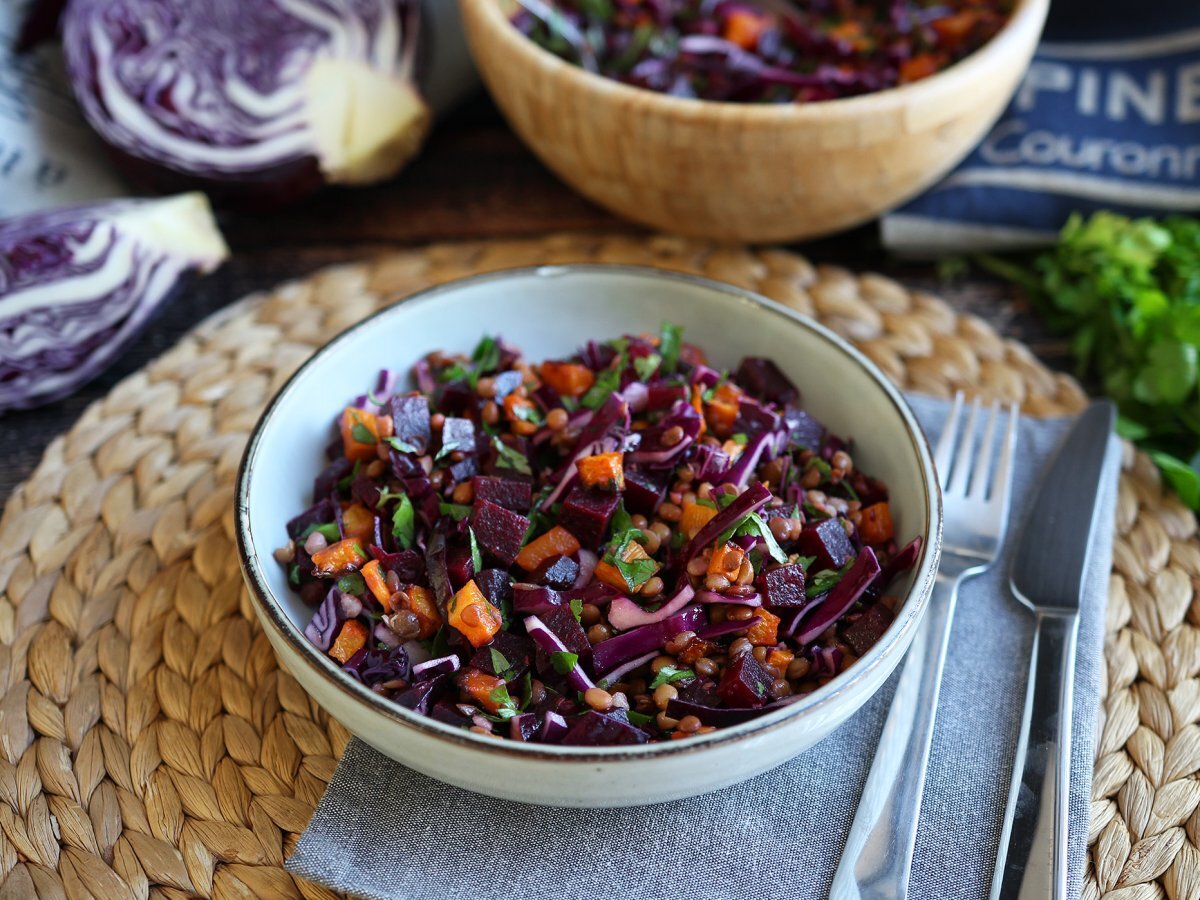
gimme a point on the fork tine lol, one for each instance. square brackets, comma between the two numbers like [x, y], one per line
[945, 447]
[964, 457]
[1002, 484]
[985, 457]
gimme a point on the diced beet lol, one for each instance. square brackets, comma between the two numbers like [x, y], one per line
[458, 434]
[596, 729]
[326, 483]
[558, 572]
[745, 682]
[783, 586]
[457, 397]
[418, 696]
[535, 599]
[515, 648]
[562, 622]
[445, 711]
[504, 383]
[664, 394]
[499, 531]
[827, 541]
[460, 565]
[514, 495]
[806, 431]
[496, 585]
[408, 565]
[410, 421]
[761, 378]
[645, 490]
[465, 468]
[317, 514]
[868, 628]
[753, 418]
[365, 490]
[313, 592]
[700, 690]
[586, 514]
[523, 727]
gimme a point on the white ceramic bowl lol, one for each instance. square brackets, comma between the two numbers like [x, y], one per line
[549, 312]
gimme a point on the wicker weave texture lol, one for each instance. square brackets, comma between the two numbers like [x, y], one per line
[151, 746]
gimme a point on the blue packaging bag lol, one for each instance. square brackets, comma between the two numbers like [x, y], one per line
[1107, 117]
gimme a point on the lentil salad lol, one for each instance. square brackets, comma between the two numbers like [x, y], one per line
[619, 547]
[769, 51]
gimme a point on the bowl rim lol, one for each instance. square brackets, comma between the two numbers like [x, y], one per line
[272, 617]
[1027, 14]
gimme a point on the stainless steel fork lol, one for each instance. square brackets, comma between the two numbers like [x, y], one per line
[877, 860]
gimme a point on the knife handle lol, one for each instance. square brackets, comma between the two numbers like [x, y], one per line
[1032, 862]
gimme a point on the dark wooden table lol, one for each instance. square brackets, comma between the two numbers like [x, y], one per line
[474, 180]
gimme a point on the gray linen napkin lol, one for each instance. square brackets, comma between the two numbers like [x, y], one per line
[383, 830]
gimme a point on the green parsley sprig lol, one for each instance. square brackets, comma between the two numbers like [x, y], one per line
[1128, 291]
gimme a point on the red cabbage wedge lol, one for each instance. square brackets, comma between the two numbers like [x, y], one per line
[77, 284]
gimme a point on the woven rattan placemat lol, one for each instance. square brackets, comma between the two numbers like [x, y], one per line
[150, 746]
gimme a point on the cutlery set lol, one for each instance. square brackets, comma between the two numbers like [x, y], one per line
[975, 471]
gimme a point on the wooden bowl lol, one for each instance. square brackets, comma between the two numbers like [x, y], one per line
[745, 172]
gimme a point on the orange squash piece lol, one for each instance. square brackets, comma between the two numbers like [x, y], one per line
[722, 410]
[610, 575]
[424, 607]
[340, 558]
[604, 471]
[358, 523]
[372, 574]
[555, 542]
[473, 616]
[480, 685]
[351, 639]
[569, 379]
[779, 660]
[875, 526]
[918, 67]
[356, 450]
[695, 516]
[765, 632]
[743, 27]
[698, 405]
[726, 560]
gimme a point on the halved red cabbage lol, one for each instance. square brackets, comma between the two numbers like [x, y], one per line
[78, 284]
[264, 100]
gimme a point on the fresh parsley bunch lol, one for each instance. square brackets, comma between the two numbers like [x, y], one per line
[1128, 290]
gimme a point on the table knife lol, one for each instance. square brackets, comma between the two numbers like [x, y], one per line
[1047, 576]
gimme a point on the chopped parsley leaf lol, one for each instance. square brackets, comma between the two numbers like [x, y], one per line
[670, 675]
[508, 458]
[563, 661]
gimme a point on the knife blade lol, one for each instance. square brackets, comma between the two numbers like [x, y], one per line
[1052, 554]
[1047, 576]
